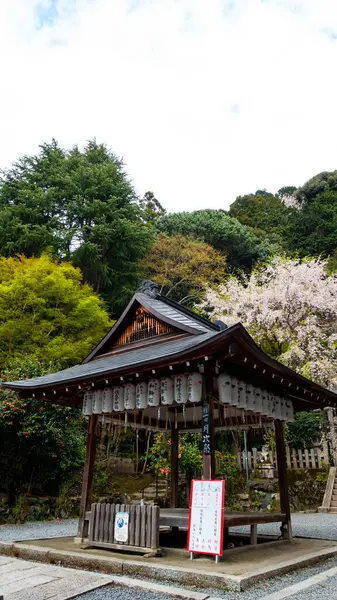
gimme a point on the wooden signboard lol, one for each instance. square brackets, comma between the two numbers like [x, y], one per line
[206, 517]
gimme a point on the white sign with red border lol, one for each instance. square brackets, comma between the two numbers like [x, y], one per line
[206, 517]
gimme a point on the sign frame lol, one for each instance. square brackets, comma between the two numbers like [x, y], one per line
[222, 518]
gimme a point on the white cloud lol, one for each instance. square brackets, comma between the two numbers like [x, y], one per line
[205, 99]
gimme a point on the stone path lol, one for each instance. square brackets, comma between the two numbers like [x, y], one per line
[23, 580]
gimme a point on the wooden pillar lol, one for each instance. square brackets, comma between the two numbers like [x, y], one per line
[282, 477]
[87, 477]
[208, 434]
[174, 468]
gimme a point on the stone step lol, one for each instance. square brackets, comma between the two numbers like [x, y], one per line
[333, 503]
[333, 510]
[334, 495]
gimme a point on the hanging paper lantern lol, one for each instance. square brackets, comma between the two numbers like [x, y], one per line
[194, 387]
[153, 392]
[265, 403]
[282, 409]
[242, 397]
[250, 396]
[289, 411]
[107, 400]
[166, 390]
[235, 392]
[118, 398]
[180, 389]
[97, 402]
[141, 394]
[129, 396]
[225, 388]
[257, 400]
[87, 403]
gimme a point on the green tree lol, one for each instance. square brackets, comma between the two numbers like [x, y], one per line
[46, 312]
[265, 214]
[151, 209]
[182, 267]
[314, 227]
[39, 443]
[220, 230]
[82, 206]
[306, 430]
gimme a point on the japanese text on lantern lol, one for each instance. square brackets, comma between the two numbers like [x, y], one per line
[206, 517]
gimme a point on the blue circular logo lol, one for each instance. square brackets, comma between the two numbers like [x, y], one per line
[120, 522]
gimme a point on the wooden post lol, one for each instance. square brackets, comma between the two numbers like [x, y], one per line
[208, 434]
[174, 468]
[282, 477]
[87, 477]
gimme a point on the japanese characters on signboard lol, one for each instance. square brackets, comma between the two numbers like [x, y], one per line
[206, 517]
[205, 430]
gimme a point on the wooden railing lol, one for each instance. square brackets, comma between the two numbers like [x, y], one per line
[315, 458]
[143, 529]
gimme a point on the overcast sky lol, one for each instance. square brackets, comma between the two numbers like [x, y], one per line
[204, 99]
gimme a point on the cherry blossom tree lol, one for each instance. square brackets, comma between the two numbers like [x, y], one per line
[290, 309]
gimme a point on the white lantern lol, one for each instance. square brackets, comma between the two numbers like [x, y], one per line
[278, 411]
[242, 396]
[129, 396]
[107, 400]
[225, 388]
[257, 399]
[250, 396]
[235, 392]
[194, 387]
[265, 403]
[153, 392]
[180, 389]
[141, 395]
[166, 390]
[97, 402]
[282, 409]
[87, 403]
[289, 411]
[118, 398]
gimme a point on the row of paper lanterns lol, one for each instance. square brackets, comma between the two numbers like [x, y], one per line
[180, 389]
[245, 396]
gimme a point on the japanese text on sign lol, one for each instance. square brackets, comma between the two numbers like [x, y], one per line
[206, 518]
[206, 438]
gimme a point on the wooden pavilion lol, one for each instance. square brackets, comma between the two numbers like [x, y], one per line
[164, 367]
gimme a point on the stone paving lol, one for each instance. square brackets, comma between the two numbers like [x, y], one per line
[22, 580]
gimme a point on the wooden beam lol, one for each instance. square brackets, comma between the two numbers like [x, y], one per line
[87, 477]
[207, 428]
[282, 477]
[174, 468]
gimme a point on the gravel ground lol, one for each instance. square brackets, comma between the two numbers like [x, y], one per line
[315, 525]
[38, 530]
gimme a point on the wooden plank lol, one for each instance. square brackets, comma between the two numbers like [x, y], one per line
[253, 535]
[300, 459]
[174, 468]
[155, 527]
[112, 524]
[294, 457]
[255, 460]
[98, 516]
[313, 458]
[137, 525]
[117, 509]
[319, 458]
[307, 459]
[148, 526]
[250, 461]
[288, 457]
[87, 476]
[92, 522]
[142, 526]
[132, 524]
[137, 549]
[282, 474]
[101, 523]
[122, 509]
[107, 522]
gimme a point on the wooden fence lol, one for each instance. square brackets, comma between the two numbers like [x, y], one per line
[143, 529]
[315, 458]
